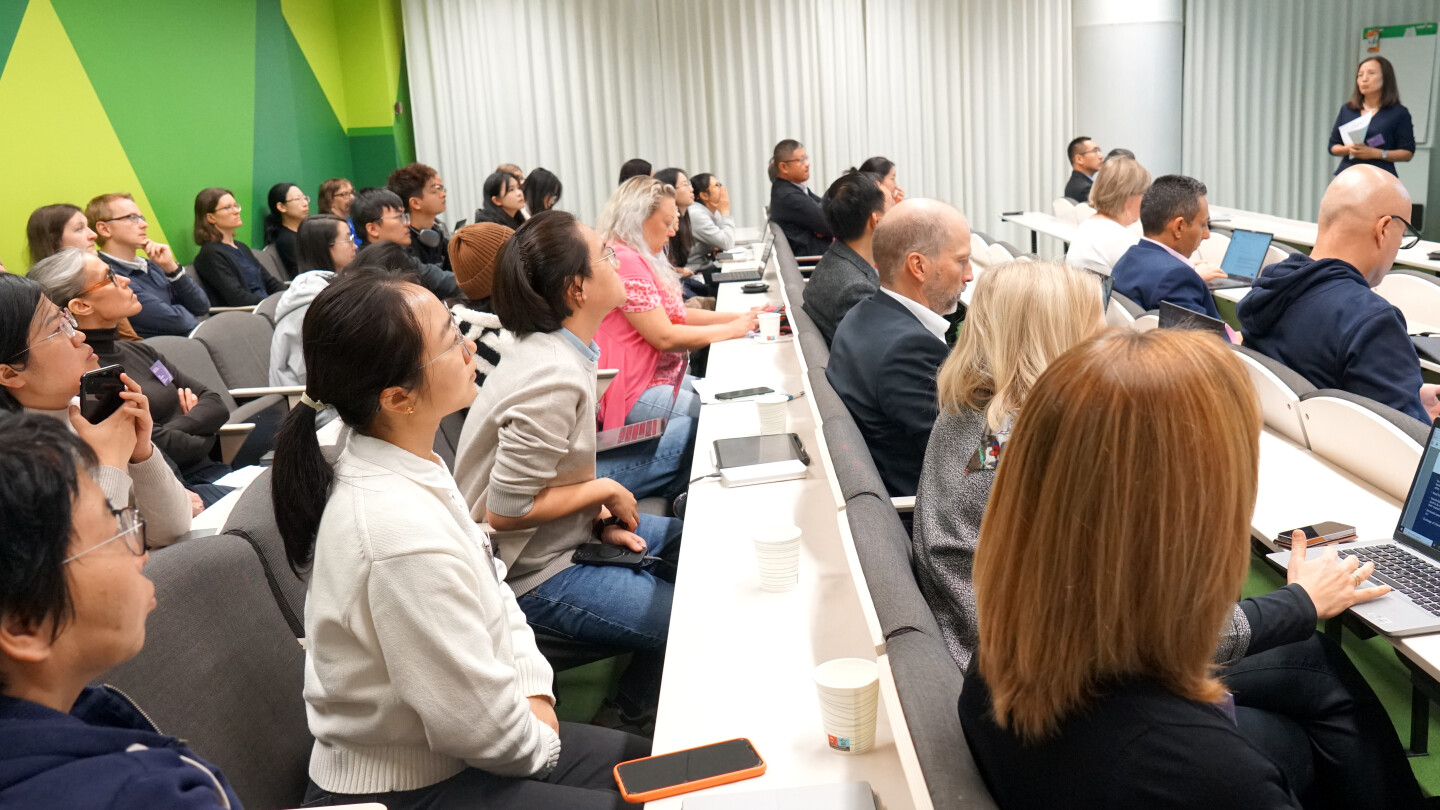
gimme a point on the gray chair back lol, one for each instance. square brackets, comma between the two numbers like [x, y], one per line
[267, 307]
[253, 520]
[1135, 310]
[192, 357]
[239, 343]
[269, 259]
[883, 547]
[222, 670]
[850, 457]
[447, 438]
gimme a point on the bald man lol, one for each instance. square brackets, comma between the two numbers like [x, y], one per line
[1318, 315]
[889, 347]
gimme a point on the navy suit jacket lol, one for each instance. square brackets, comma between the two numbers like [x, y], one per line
[799, 215]
[167, 307]
[883, 363]
[1147, 274]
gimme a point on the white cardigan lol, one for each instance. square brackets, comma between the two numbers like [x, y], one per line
[418, 659]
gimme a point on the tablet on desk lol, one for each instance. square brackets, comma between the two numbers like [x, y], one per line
[760, 459]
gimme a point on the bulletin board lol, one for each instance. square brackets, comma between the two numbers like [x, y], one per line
[1411, 49]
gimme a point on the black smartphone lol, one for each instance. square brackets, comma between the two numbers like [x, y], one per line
[651, 778]
[1321, 533]
[755, 287]
[744, 392]
[607, 554]
[100, 393]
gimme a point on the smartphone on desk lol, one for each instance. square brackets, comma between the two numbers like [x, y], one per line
[651, 778]
[744, 392]
[1319, 534]
[100, 393]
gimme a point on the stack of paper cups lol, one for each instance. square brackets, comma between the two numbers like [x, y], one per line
[777, 550]
[769, 326]
[849, 697]
[771, 408]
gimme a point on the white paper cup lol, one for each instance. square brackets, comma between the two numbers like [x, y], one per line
[849, 690]
[777, 553]
[771, 410]
[769, 326]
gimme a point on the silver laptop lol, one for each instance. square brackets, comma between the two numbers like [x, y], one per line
[1409, 562]
[1244, 259]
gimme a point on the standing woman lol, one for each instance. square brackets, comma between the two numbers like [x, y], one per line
[542, 191]
[232, 275]
[286, 207]
[884, 168]
[504, 200]
[1390, 136]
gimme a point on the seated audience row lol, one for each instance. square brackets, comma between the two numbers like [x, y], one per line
[853, 207]
[1101, 240]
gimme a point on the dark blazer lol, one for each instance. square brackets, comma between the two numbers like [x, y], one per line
[1391, 128]
[1147, 274]
[841, 280]
[167, 306]
[233, 275]
[799, 215]
[1078, 189]
[883, 363]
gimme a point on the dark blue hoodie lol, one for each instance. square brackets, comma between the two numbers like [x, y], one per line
[1321, 319]
[104, 754]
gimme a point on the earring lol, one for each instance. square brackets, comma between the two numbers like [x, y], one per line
[409, 410]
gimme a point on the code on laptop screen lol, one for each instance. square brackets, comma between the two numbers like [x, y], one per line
[1421, 521]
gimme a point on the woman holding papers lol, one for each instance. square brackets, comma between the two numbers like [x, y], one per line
[1373, 126]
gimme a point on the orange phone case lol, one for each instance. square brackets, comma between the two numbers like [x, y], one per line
[688, 787]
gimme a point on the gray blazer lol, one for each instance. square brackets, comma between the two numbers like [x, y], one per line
[841, 280]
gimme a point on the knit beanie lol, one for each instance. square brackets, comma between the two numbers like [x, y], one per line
[472, 256]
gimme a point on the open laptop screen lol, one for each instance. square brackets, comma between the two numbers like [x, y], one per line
[1246, 254]
[1420, 522]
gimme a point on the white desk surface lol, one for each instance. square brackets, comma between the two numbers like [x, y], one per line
[1042, 223]
[739, 660]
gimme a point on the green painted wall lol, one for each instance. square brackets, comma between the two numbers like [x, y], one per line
[171, 96]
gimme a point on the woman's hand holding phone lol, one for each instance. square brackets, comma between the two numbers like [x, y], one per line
[113, 440]
[138, 406]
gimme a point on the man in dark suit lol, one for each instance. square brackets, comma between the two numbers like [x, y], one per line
[793, 205]
[889, 347]
[1176, 219]
[1085, 159]
[845, 276]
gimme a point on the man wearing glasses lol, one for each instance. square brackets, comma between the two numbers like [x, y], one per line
[793, 205]
[73, 602]
[422, 191]
[1085, 159]
[170, 300]
[1320, 315]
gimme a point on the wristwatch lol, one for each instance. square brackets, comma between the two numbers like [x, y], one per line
[1384, 154]
[602, 525]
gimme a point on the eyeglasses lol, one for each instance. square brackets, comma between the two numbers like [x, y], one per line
[132, 531]
[1411, 238]
[459, 341]
[134, 219]
[608, 256]
[231, 207]
[1097, 150]
[805, 160]
[405, 218]
[66, 328]
[301, 198]
[340, 194]
[437, 188]
[109, 279]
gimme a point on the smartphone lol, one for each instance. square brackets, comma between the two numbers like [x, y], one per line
[100, 393]
[744, 392]
[607, 554]
[1320, 533]
[651, 778]
[755, 287]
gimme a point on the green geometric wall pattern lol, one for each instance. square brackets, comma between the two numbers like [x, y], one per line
[167, 97]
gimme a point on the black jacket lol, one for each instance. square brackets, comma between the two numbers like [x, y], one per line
[841, 280]
[1078, 189]
[799, 215]
[883, 363]
[233, 276]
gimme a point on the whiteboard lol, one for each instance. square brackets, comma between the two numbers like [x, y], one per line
[1411, 49]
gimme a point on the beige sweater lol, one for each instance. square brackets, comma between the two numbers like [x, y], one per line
[532, 427]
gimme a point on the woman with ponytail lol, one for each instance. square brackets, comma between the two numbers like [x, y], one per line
[285, 208]
[423, 682]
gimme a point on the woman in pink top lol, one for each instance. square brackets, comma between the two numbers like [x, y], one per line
[649, 338]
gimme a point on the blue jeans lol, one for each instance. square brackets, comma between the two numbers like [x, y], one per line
[660, 466]
[617, 607]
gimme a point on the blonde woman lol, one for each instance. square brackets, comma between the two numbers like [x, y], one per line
[1109, 564]
[1102, 239]
[648, 338]
[1022, 316]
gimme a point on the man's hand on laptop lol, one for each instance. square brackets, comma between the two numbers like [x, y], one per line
[1430, 398]
[1332, 582]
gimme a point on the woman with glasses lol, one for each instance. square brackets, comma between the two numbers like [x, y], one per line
[52, 227]
[286, 206]
[402, 579]
[187, 415]
[527, 462]
[42, 356]
[231, 274]
[504, 200]
[73, 603]
[710, 223]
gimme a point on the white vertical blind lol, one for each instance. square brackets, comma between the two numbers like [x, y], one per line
[1263, 83]
[972, 99]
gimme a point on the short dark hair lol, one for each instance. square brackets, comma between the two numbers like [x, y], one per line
[360, 337]
[634, 167]
[313, 241]
[370, 205]
[536, 270]
[782, 152]
[1074, 148]
[1118, 152]
[540, 185]
[19, 301]
[205, 203]
[1389, 93]
[40, 463]
[409, 181]
[46, 226]
[849, 203]
[385, 256]
[877, 166]
[1170, 196]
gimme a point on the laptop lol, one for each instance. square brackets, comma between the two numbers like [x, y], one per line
[629, 434]
[1107, 286]
[1409, 562]
[1243, 260]
[1173, 316]
[745, 275]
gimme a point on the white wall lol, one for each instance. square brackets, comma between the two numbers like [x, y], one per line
[971, 98]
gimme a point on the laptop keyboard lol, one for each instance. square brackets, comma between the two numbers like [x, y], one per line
[639, 431]
[1406, 573]
[739, 275]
